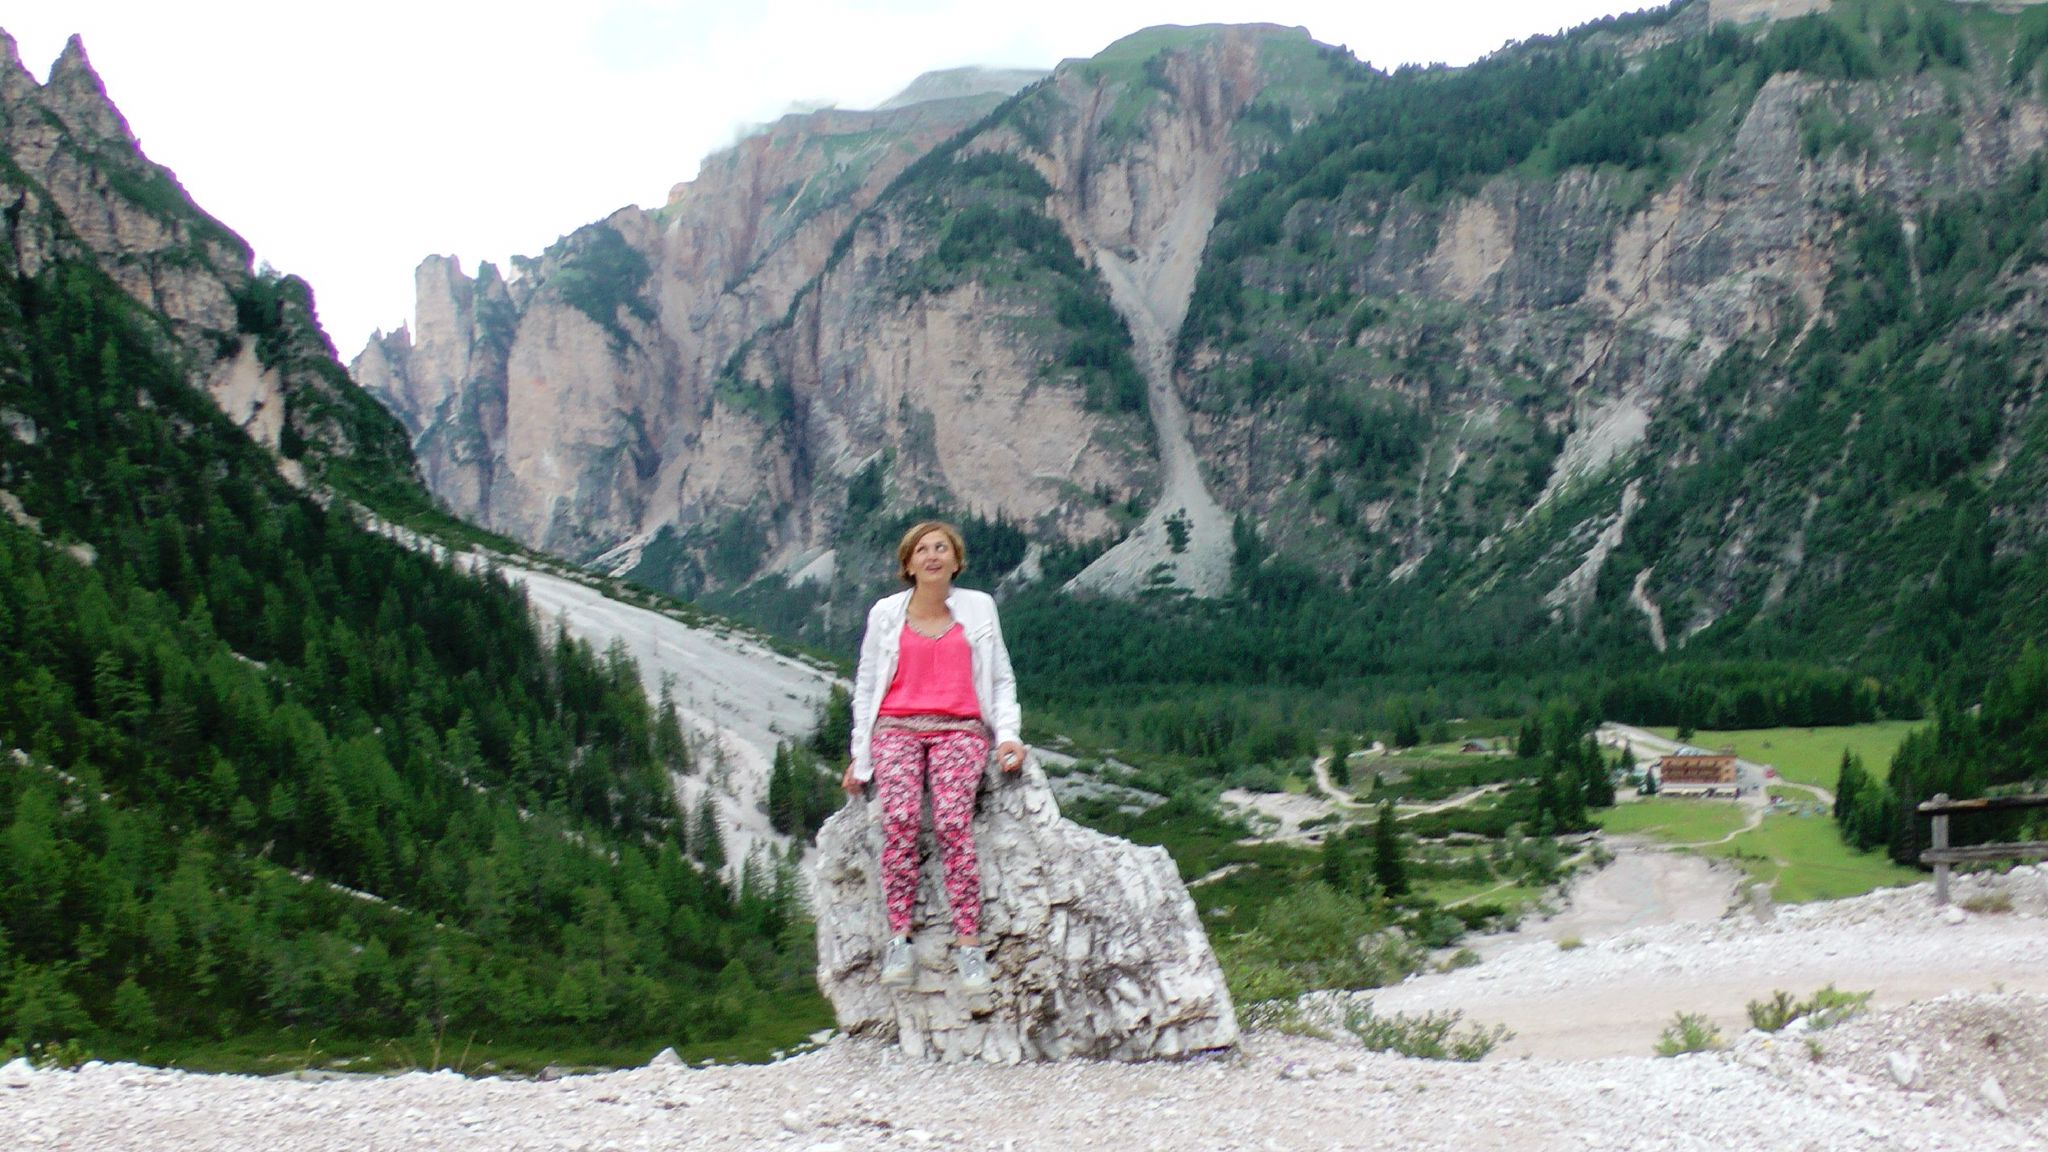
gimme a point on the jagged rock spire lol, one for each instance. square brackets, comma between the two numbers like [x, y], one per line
[76, 94]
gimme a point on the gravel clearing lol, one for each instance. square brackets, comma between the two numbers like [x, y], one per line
[1612, 996]
[1964, 1070]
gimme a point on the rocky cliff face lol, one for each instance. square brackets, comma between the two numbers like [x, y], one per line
[77, 184]
[1537, 383]
[697, 393]
[574, 409]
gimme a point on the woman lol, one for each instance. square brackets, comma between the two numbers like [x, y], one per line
[934, 686]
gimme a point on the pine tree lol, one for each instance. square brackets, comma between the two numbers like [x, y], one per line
[1389, 867]
[670, 749]
[707, 841]
[1340, 760]
[785, 807]
[1598, 782]
[1407, 734]
[835, 725]
[1848, 780]
[1335, 866]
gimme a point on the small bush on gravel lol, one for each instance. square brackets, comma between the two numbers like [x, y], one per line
[1823, 1009]
[1462, 958]
[1570, 944]
[1772, 1015]
[1830, 1006]
[1430, 1036]
[1688, 1032]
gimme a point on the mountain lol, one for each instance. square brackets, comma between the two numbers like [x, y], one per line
[265, 772]
[818, 329]
[1704, 330]
[576, 403]
[249, 339]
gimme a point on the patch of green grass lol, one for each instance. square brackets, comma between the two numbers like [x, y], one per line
[1672, 821]
[1447, 892]
[1125, 60]
[1810, 755]
[1803, 859]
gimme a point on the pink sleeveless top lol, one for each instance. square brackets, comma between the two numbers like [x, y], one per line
[933, 677]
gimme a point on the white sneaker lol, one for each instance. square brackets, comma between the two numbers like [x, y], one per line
[896, 962]
[973, 966]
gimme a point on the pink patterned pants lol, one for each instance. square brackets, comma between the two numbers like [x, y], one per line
[953, 762]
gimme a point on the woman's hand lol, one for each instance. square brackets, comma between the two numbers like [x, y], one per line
[1011, 754]
[850, 782]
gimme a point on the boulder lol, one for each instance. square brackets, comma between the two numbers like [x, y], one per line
[1094, 945]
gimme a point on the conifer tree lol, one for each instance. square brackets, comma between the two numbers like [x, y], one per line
[670, 749]
[1598, 781]
[1848, 780]
[707, 841]
[1389, 867]
[1340, 760]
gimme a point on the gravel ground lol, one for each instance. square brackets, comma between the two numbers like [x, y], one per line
[1613, 996]
[1966, 1070]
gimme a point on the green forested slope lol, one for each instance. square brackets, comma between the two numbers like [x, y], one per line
[267, 769]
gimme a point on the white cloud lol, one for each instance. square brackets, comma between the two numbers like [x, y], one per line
[345, 142]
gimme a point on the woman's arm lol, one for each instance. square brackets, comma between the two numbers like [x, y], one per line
[858, 767]
[1008, 721]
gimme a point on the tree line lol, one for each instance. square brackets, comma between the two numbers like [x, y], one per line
[266, 767]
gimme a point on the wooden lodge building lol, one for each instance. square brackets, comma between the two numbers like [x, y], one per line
[1692, 772]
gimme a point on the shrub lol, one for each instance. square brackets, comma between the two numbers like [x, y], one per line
[1462, 958]
[1430, 1036]
[1688, 1032]
[1823, 1009]
[1831, 1006]
[1315, 937]
[1772, 1015]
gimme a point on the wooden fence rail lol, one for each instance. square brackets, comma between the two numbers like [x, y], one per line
[1943, 857]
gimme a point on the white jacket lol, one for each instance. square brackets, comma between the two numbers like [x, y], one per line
[995, 685]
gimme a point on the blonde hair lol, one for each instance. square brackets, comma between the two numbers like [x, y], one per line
[918, 532]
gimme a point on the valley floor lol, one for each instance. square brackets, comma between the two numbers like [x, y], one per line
[1955, 1055]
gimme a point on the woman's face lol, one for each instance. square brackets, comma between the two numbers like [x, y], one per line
[932, 560]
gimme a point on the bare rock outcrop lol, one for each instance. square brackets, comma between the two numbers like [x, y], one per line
[577, 408]
[1094, 944]
[78, 189]
[692, 394]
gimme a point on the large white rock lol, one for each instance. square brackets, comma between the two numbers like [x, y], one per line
[1094, 945]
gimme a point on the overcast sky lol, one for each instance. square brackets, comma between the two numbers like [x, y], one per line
[348, 141]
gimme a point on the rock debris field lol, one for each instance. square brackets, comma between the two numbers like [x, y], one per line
[1961, 1068]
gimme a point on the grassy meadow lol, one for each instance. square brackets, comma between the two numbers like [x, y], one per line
[1798, 852]
[1810, 755]
[1672, 821]
[1803, 858]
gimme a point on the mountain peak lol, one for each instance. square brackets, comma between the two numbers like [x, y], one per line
[78, 95]
[15, 78]
[954, 83]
